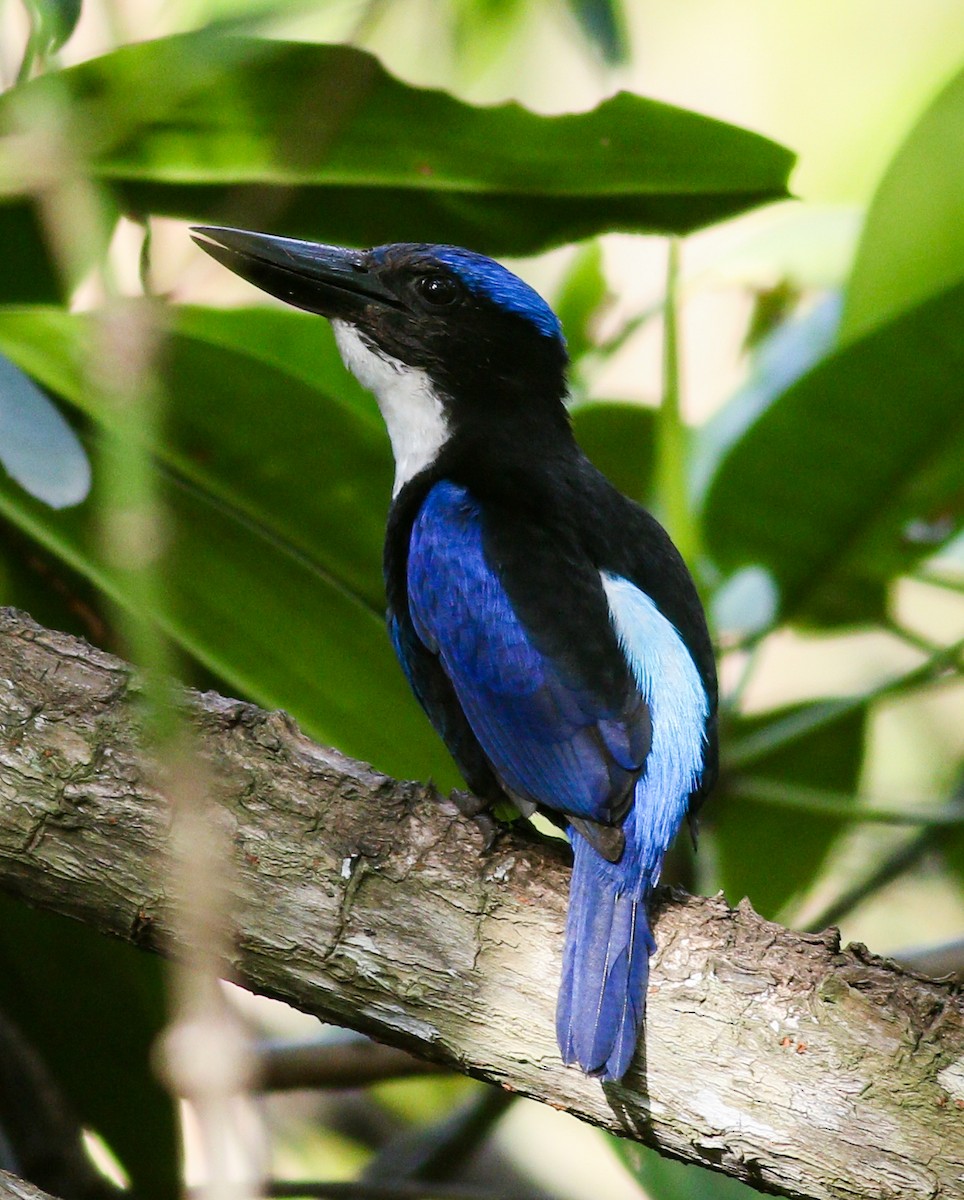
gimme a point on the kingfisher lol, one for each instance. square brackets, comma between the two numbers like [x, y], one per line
[546, 623]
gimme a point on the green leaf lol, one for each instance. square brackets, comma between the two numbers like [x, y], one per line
[54, 21]
[603, 24]
[618, 437]
[666, 1179]
[320, 141]
[28, 275]
[852, 475]
[38, 448]
[96, 1033]
[276, 488]
[261, 415]
[912, 245]
[772, 853]
[580, 298]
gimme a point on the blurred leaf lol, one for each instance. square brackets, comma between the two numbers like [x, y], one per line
[95, 1007]
[771, 853]
[580, 298]
[28, 275]
[320, 141]
[772, 308]
[37, 446]
[276, 490]
[745, 604]
[666, 1179]
[618, 437]
[913, 240]
[853, 474]
[53, 21]
[781, 359]
[604, 25]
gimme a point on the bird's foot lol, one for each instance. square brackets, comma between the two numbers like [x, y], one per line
[479, 811]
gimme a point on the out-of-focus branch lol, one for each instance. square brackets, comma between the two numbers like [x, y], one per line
[775, 1057]
[284, 1066]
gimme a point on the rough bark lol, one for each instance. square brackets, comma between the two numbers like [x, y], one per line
[14, 1188]
[778, 1058]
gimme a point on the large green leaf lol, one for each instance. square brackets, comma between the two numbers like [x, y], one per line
[666, 1179]
[264, 617]
[261, 415]
[96, 1033]
[321, 141]
[912, 244]
[854, 473]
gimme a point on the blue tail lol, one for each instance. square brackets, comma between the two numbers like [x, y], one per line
[605, 969]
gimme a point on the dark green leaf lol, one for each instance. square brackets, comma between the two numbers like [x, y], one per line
[321, 141]
[771, 853]
[95, 1007]
[28, 275]
[618, 437]
[912, 245]
[854, 473]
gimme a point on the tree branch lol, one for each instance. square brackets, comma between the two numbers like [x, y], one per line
[776, 1057]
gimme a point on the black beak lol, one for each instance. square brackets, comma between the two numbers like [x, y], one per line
[327, 280]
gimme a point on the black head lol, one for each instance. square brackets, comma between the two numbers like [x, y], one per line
[464, 319]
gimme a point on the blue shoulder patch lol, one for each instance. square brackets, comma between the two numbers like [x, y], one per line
[488, 278]
[547, 739]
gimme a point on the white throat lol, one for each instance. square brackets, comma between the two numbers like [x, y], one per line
[411, 408]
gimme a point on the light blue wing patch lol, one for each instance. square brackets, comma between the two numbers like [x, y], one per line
[667, 676]
[548, 740]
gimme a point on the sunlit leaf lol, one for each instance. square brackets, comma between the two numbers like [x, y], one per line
[319, 140]
[54, 21]
[912, 245]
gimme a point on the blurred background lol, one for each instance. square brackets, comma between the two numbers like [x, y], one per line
[817, 486]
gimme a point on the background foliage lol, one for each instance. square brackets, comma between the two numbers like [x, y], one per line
[820, 504]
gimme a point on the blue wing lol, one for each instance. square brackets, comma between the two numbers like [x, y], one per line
[548, 737]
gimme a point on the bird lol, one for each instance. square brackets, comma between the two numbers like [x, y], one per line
[546, 623]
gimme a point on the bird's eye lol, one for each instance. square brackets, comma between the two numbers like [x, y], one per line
[437, 290]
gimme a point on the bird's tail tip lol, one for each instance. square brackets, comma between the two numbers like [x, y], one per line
[602, 997]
